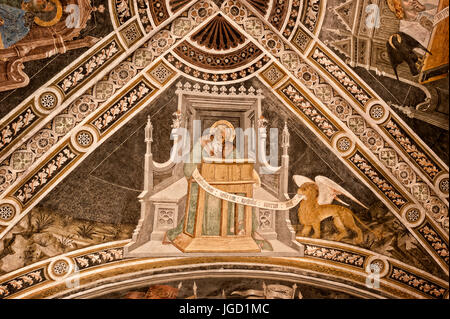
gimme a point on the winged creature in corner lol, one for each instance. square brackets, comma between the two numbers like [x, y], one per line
[316, 206]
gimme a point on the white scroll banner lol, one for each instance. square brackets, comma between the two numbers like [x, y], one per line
[441, 15]
[245, 200]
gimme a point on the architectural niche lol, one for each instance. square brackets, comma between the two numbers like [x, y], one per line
[164, 202]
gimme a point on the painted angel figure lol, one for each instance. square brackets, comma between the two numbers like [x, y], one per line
[316, 206]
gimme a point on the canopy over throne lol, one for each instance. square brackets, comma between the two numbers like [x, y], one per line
[190, 208]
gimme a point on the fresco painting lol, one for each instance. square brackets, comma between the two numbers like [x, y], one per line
[224, 149]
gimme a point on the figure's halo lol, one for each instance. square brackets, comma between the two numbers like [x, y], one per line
[231, 134]
[53, 21]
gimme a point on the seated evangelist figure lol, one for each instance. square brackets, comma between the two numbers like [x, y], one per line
[217, 145]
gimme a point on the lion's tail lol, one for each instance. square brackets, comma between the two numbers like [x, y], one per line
[377, 234]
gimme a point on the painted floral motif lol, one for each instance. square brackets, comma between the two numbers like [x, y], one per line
[21, 160]
[9, 132]
[341, 108]
[307, 76]
[278, 14]
[435, 241]
[311, 14]
[123, 11]
[123, 73]
[161, 42]
[372, 140]
[272, 43]
[309, 110]
[254, 27]
[142, 11]
[99, 258]
[180, 27]
[343, 78]
[418, 283]
[31, 187]
[295, 9]
[42, 142]
[201, 11]
[6, 178]
[82, 107]
[89, 67]
[121, 107]
[412, 150]
[380, 182]
[159, 11]
[235, 10]
[438, 210]
[404, 174]
[25, 281]
[335, 255]
[290, 60]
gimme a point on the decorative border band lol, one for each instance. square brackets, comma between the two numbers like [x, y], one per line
[290, 92]
[17, 127]
[414, 151]
[340, 76]
[130, 100]
[49, 171]
[90, 67]
[372, 174]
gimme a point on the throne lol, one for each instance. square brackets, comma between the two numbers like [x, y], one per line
[208, 224]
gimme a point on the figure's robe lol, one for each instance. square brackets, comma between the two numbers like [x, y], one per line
[14, 26]
[213, 206]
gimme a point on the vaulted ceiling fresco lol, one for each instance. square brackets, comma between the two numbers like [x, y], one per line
[323, 172]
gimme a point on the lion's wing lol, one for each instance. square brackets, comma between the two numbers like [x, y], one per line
[329, 190]
[300, 180]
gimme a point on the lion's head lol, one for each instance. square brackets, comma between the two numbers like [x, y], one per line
[310, 190]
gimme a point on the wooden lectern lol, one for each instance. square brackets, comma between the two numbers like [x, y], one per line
[215, 225]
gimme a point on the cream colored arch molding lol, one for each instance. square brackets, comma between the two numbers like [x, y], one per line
[97, 270]
[75, 109]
